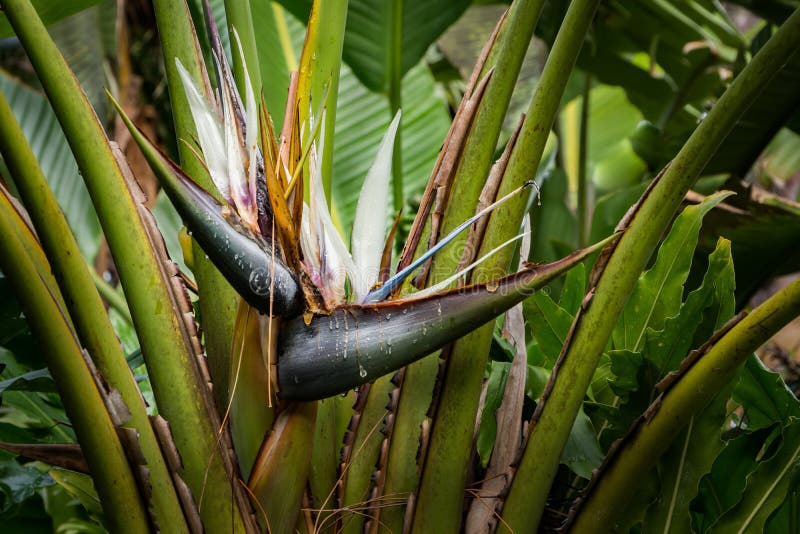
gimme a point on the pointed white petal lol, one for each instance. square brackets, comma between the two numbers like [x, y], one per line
[336, 260]
[251, 121]
[369, 224]
[239, 187]
[209, 132]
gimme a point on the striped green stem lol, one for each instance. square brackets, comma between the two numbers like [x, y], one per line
[450, 446]
[218, 300]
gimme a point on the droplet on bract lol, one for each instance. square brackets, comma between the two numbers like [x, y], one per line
[362, 372]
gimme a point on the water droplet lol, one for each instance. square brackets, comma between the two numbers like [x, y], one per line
[405, 311]
[491, 287]
[388, 316]
[362, 372]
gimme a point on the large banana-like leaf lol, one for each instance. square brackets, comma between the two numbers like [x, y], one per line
[50, 12]
[363, 117]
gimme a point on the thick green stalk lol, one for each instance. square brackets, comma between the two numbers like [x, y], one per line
[479, 149]
[687, 397]
[218, 300]
[508, 51]
[29, 239]
[239, 18]
[159, 323]
[538, 468]
[114, 299]
[583, 180]
[395, 61]
[86, 308]
[319, 73]
[444, 473]
[112, 475]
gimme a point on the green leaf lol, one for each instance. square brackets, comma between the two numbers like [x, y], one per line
[682, 466]
[552, 221]
[666, 348]
[658, 293]
[278, 56]
[781, 158]
[610, 159]
[38, 380]
[487, 432]
[785, 518]
[80, 39]
[582, 452]
[18, 483]
[50, 12]
[610, 208]
[39, 124]
[548, 323]
[722, 488]
[574, 290]
[764, 396]
[767, 486]
[79, 486]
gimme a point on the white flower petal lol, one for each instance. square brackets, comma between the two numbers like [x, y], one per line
[369, 224]
[209, 133]
[336, 260]
[251, 121]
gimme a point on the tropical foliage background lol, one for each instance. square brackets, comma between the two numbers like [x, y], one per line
[657, 439]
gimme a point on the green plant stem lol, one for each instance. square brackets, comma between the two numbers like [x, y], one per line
[218, 300]
[479, 149]
[112, 475]
[179, 389]
[537, 470]
[583, 182]
[508, 51]
[319, 73]
[451, 438]
[86, 308]
[30, 241]
[111, 296]
[690, 394]
[239, 18]
[396, 98]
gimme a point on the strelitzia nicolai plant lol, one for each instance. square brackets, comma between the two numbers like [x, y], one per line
[322, 326]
